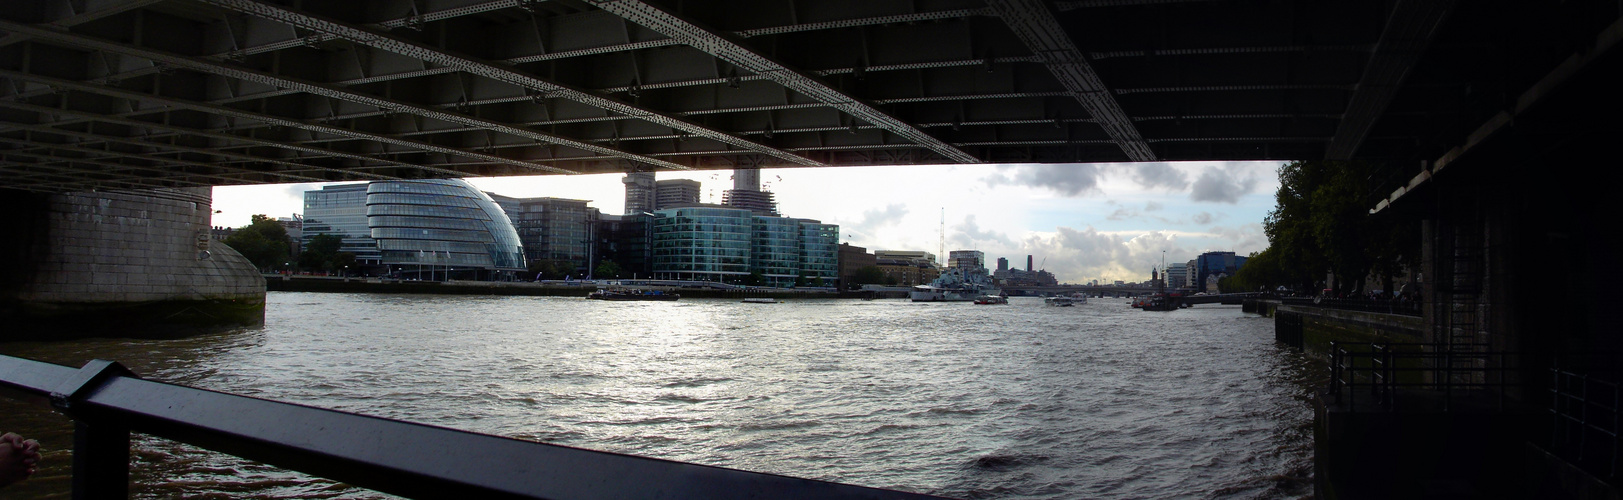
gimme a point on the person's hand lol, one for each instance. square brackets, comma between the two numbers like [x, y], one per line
[19, 458]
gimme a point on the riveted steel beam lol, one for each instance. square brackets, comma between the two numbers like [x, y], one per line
[206, 66]
[83, 17]
[722, 47]
[509, 76]
[1409, 29]
[221, 152]
[1036, 26]
[23, 146]
[203, 108]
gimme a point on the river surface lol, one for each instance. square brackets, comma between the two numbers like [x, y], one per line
[960, 400]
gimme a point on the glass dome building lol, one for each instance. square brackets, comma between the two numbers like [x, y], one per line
[443, 227]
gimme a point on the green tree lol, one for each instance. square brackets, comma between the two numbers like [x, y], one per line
[606, 269]
[318, 254]
[263, 241]
[1321, 223]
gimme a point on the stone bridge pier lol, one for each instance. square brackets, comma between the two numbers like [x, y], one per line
[119, 263]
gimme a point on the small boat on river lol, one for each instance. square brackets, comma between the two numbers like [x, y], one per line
[1061, 301]
[991, 299]
[632, 294]
[761, 300]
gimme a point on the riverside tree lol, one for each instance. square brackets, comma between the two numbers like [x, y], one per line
[263, 241]
[1321, 224]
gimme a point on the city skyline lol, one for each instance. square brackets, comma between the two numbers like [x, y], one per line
[1082, 222]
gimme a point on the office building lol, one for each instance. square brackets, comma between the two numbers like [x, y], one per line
[914, 256]
[701, 243]
[559, 230]
[340, 210]
[971, 259]
[675, 192]
[441, 225]
[1213, 263]
[641, 194]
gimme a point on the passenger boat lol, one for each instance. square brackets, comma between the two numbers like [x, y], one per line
[632, 294]
[761, 300]
[1060, 301]
[991, 299]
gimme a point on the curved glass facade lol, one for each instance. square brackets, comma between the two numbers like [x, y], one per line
[701, 243]
[441, 222]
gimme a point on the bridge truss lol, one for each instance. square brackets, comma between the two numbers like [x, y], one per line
[116, 94]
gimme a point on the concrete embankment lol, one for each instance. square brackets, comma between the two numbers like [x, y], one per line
[374, 285]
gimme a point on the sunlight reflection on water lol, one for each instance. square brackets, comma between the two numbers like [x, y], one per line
[1015, 401]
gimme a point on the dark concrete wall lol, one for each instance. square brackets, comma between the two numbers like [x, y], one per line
[120, 264]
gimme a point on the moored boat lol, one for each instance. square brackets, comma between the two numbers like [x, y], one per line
[632, 294]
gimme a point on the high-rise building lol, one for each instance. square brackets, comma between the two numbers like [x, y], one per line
[340, 210]
[1002, 264]
[641, 194]
[672, 193]
[747, 194]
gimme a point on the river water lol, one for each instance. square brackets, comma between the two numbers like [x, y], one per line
[960, 400]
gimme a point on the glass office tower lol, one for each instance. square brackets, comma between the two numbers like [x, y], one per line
[702, 243]
[443, 227]
[340, 210]
[776, 250]
[819, 252]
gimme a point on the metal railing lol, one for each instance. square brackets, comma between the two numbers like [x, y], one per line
[107, 403]
[1584, 417]
[1405, 308]
[1441, 376]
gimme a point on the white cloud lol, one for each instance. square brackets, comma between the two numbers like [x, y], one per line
[1070, 180]
[1223, 184]
[1159, 176]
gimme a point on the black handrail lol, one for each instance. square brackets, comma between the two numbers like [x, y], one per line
[1386, 368]
[408, 459]
[1405, 308]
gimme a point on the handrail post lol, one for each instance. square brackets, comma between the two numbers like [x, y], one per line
[101, 445]
[101, 459]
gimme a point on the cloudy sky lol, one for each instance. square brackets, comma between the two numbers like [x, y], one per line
[1082, 222]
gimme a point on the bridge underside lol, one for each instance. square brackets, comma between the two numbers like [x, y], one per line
[125, 94]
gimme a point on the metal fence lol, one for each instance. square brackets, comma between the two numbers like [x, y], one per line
[1405, 308]
[1373, 376]
[107, 403]
[1584, 416]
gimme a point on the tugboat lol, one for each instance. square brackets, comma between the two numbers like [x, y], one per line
[631, 294]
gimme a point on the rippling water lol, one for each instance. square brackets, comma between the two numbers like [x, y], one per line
[1015, 401]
